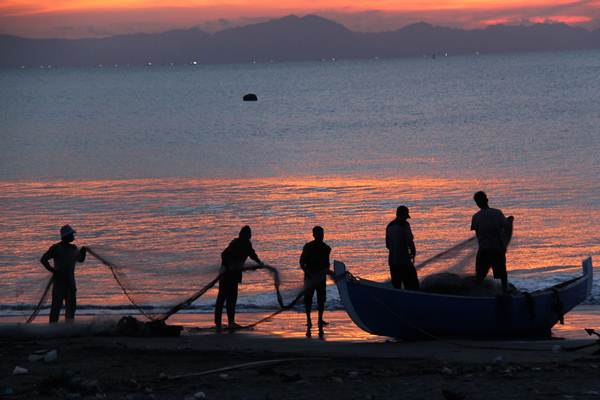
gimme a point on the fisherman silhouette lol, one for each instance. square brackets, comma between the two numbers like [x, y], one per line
[232, 261]
[64, 255]
[400, 243]
[493, 232]
[314, 261]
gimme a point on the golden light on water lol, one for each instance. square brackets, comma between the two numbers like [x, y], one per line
[180, 226]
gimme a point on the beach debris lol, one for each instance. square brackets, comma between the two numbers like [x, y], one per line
[20, 371]
[130, 326]
[450, 395]
[45, 355]
[7, 391]
[51, 356]
[556, 348]
[254, 364]
[250, 97]
[498, 360]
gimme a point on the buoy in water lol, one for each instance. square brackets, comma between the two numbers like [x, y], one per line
[250, 97]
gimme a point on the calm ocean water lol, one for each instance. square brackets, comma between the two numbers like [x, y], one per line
[169, 162]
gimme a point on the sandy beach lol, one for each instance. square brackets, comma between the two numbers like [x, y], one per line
[288, 366]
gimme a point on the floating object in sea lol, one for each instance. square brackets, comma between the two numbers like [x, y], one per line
[250, 97]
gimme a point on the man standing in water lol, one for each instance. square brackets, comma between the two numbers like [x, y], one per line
[65, 256]
[493, 235]
[232, 261]
[314, 261]
[400, 243]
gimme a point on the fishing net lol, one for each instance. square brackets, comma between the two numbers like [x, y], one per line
[160, 283]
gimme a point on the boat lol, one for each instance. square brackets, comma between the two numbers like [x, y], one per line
[380, 309]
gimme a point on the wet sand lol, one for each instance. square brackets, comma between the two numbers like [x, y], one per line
[340, 367]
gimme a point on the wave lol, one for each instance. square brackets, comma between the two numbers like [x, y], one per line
[266, 301]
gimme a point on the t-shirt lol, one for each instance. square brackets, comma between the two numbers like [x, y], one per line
[235, 255]
[491, 228]
[398, 238]
[315, 258]
[64, 256]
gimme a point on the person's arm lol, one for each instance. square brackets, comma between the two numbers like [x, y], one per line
[45, 259]
[473, 224]
[411, 244]
[329, 270]
[303, 259]
[82, 254]
[387, 237]
[253, 256]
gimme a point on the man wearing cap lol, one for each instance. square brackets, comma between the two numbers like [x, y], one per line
[493, 232]
[232, 261]
[64, 255]
[400, 243]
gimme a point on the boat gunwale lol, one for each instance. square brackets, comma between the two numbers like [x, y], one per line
[535, 293]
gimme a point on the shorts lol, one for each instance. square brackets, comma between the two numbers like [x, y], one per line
[486, 258]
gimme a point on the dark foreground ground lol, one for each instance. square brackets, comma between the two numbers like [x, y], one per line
[130, 368]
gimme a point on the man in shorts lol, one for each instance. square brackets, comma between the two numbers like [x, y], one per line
[493, 231]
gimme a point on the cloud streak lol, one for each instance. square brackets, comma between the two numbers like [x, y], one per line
[67, 18]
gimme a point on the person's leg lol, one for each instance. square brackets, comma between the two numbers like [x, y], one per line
[396, 274]
[57, 300]
[308, 297]
[482, 265]
[321, 298]
[71, 304]
[411, 281]
[220, 302]
[232, 295]
[499, 267]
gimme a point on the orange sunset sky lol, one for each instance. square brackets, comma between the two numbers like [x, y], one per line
[88, 18]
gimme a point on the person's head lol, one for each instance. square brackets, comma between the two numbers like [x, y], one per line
[318, 233]
[245, 232]
[67, 234]
[402, 213]
[481, 199]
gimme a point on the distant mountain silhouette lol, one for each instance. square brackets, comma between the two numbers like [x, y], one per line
[289, 39]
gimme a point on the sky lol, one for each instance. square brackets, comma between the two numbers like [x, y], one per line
[96, 18]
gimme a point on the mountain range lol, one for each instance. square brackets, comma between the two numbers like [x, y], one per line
[290, 38]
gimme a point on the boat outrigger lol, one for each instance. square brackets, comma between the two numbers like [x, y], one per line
[380, 309]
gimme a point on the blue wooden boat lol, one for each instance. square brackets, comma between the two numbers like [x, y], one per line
[380, 309]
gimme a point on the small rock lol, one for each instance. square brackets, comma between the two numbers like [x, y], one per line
[352, 374]
[223, 376]
[447, 371]
[337, 379]
[51, 356]
[163, 376]
[199, 396]
[20, 371]
[556, 348]
[498, 360]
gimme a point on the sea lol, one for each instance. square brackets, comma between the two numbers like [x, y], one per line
[160, 166]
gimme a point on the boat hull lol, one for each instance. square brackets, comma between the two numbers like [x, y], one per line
[382, 310]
